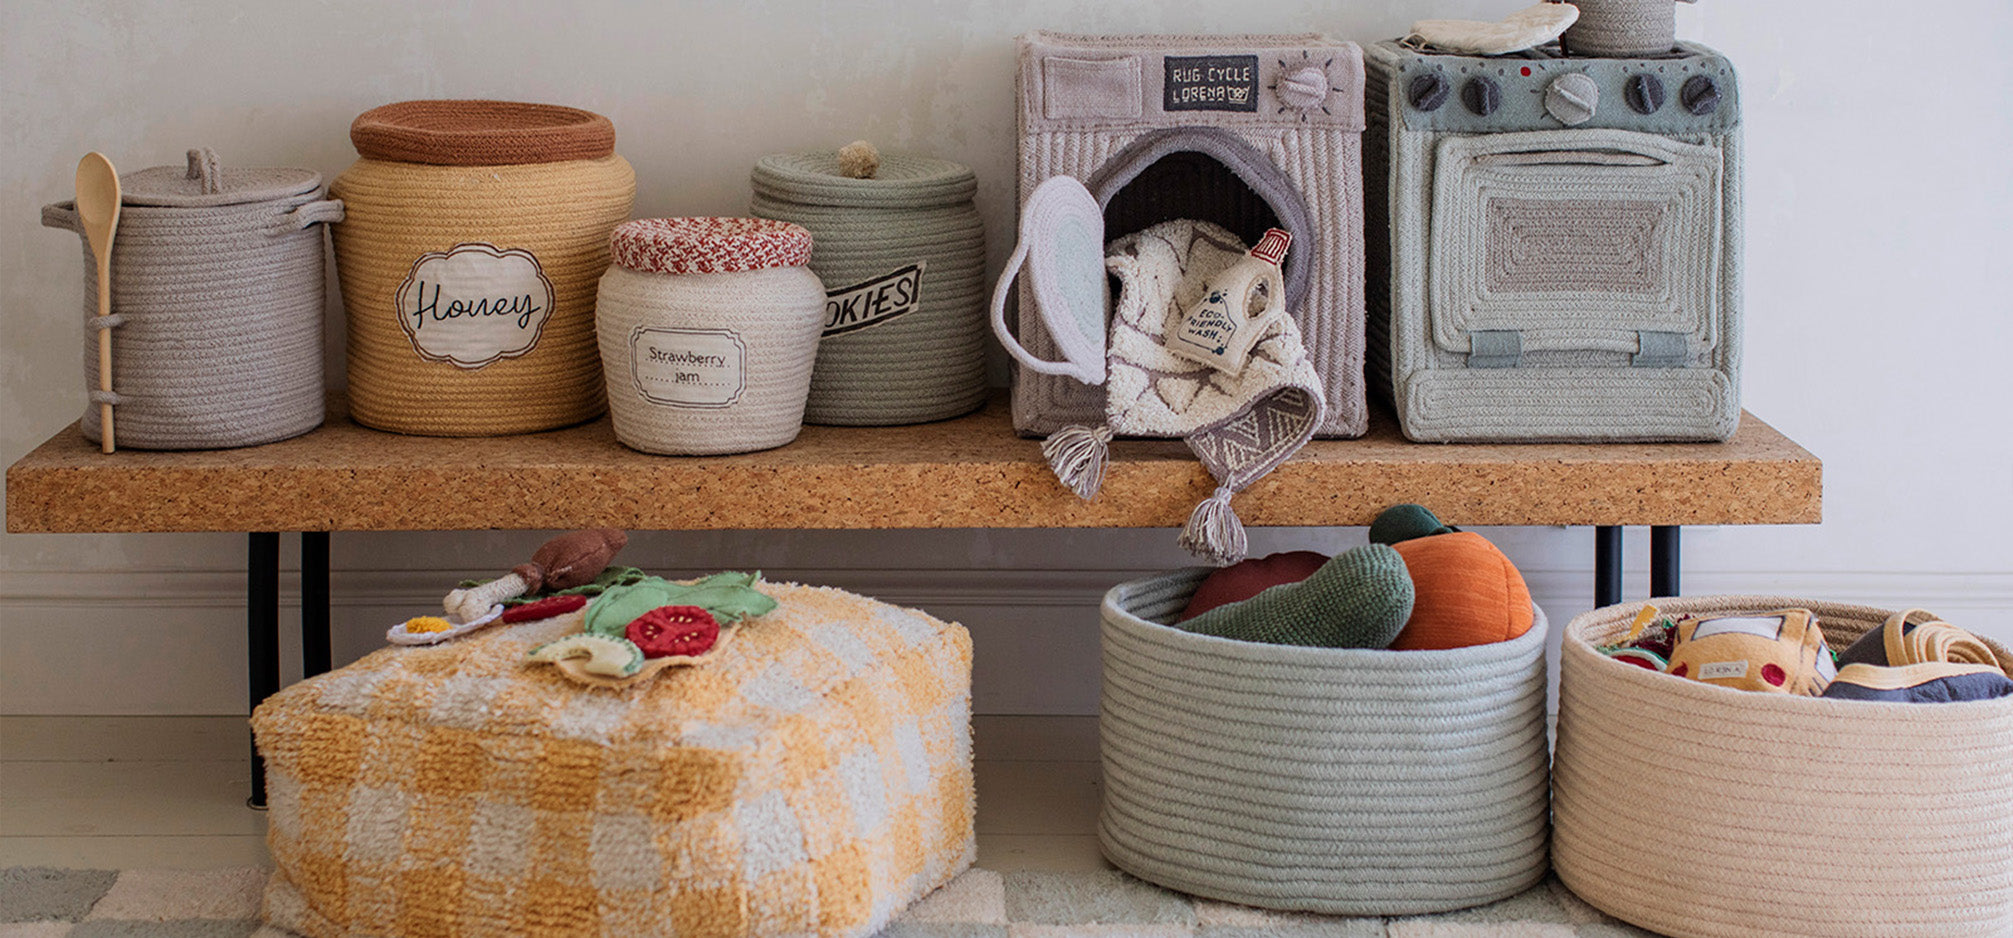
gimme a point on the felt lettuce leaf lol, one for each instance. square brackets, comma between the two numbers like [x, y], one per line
[730, 597]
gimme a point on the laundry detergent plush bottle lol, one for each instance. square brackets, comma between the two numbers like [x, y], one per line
[1220, 329]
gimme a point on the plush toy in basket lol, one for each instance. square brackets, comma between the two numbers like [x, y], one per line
[1418, 585]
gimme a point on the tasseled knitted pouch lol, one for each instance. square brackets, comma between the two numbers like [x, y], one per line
[1200, 348]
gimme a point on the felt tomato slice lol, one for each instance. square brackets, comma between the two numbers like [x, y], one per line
[672, 631]
[544, 609]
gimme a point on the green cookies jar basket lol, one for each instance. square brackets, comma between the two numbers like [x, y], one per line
[902, 257]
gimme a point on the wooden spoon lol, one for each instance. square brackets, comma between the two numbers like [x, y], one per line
[98, 211]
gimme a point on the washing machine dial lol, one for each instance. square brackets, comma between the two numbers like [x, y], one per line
[1304, 88]
[1572, 98]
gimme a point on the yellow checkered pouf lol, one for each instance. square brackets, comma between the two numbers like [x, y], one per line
[814, 779]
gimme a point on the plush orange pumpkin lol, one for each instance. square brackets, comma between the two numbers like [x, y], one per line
[1466, 593]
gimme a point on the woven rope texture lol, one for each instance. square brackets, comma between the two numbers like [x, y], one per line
[927, 362]
[1321, 163]
[1345, 781]
[1622, 28]
[561, 213]
[1699, 811]
[751, 338]
[481, 133]
[1588, 246]
[220, 343]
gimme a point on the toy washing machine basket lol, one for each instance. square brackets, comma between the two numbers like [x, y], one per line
[1248, 132]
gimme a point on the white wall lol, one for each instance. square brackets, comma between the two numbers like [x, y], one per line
[1878, 281]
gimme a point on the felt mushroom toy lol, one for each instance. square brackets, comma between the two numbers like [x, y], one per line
[569, 560]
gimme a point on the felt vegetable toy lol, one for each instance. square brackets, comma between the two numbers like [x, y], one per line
[1467, 591]
[1782, 652]
[1247, 578]
[1358, 599]
[634, 631]
[569, 560]
[1919, 662]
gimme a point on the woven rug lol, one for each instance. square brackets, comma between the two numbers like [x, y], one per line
[37, 902]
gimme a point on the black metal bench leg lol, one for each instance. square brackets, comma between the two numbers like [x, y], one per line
[1664, 560]
[262, 636]
[315, 652]
[1607, 565]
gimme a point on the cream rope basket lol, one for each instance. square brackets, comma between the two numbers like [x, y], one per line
[1696, 810]
[476, 235]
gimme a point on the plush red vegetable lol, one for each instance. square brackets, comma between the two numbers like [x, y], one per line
[543, 609]
[673, 631]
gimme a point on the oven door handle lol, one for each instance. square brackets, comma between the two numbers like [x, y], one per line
[1566, 158]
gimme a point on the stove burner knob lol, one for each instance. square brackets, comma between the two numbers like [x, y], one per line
[1482, 96]
[1700, 95]
[1572, 98]
[1428, 91]
[1645, 94]
[1305, 88]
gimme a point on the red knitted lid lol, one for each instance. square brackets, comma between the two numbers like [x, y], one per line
[481, 133]
[709, 245]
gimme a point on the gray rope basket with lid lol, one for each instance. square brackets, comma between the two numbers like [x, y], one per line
[1345, 781]
[902, 257]
[217, 296]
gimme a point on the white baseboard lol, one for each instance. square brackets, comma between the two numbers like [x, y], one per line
[172, 642]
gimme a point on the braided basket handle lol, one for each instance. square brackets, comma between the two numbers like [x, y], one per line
[204, 165]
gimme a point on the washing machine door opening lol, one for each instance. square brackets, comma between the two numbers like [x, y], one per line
[1207, 174]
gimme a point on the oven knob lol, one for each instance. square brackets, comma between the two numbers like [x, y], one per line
[1572, 98]
[1482, 96]
[1428, 91]
[1305, 88]
[1700, 95]
[1645, 94]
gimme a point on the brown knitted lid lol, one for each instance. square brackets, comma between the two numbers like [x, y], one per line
[481, 133]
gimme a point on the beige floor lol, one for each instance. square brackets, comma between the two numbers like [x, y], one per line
[169, 792]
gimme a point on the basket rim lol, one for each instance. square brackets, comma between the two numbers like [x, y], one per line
[1578, 651]
[480, 132]
[1231, 649]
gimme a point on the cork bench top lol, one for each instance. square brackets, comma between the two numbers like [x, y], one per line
[972, 472]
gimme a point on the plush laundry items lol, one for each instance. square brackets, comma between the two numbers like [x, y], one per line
[814, 780]
[1247, 578]
[1915, 658]
[1241, 426]
[1467, 593]
[1358, 599]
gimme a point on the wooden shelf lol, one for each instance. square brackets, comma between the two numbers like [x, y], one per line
[972, 472]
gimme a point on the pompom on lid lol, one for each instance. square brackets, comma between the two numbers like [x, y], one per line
[709, 245]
